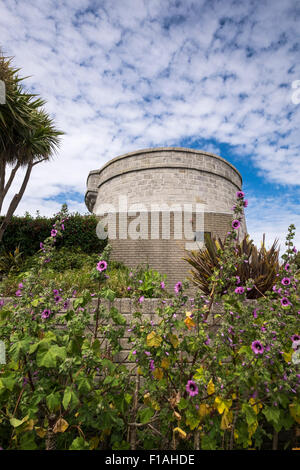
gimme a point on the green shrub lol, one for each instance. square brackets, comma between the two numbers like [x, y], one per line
[27, 232]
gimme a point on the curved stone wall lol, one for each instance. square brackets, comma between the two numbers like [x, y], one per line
[170, 176]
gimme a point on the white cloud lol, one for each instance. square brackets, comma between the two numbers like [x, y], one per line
[152, 73]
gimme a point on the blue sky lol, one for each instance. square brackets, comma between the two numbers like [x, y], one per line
[128, 74]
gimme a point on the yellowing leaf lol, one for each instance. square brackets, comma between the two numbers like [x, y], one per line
[165, 363]
[158, 373]
[174, 340]
[255, 406]
[252, 428]
[155, 405]
[61, 425]
[294, 411]
[233, 396]
[222, 405]
[236, 434]
[226, 420]
[204, 409]
[288, 356]
[181, 433]
[153, 339]
[139, 371]
[41, 432]
[94, 442]
[189, 323]
[29, 425]
[147, 398]
[210, 387]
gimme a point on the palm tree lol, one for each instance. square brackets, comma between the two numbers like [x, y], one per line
[27, 135]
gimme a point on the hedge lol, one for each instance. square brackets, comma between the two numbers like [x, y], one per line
[27, 232]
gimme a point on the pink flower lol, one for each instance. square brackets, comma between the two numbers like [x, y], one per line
[141, 299]
[178, 287]
[240, 194]
[46, 313]
[257, 347]
[239, 290]
[236, 224]
[53, 233]
[285, 301]
[162, 285]
[18, 293]
[102, 266]
[192, 388]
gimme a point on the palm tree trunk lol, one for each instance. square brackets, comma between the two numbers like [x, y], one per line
[5, 187]
[15, 201]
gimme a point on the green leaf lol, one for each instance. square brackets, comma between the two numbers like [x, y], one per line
[49, 358]
[19, 348]
[108, 294]
[183, 403]
[146, 414]
[249, 413]
[53, 401]
[77, 302]
[208, 443]
[70, 398]
[117, 317]
[17, 422]
[67, 397]
[272, 414]
[79, 444]
[7, 383]
[27, 441]
[128, 398]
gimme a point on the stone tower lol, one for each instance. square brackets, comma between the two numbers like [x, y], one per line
[159, 201]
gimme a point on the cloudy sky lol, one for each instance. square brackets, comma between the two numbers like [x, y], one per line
[121, 75]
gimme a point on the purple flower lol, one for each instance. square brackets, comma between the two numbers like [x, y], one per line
[295, 250]
[21, 285]
[257, 347]
[239, 290]
[128, 288]
[238, 279]
[286, 281]
[134, 352]
[287, 267]
[62, 227]
[151, 364]
[236, 224]
[102, 266]
[57, 298]
[295, 338]
[141, 299]
[46, 313]
[192, 388]
[245, 203]
[162, 285]
[147, 353]
[18, 293]
[53, 232]
[285, 301]
[178, 287]
[240, 194]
